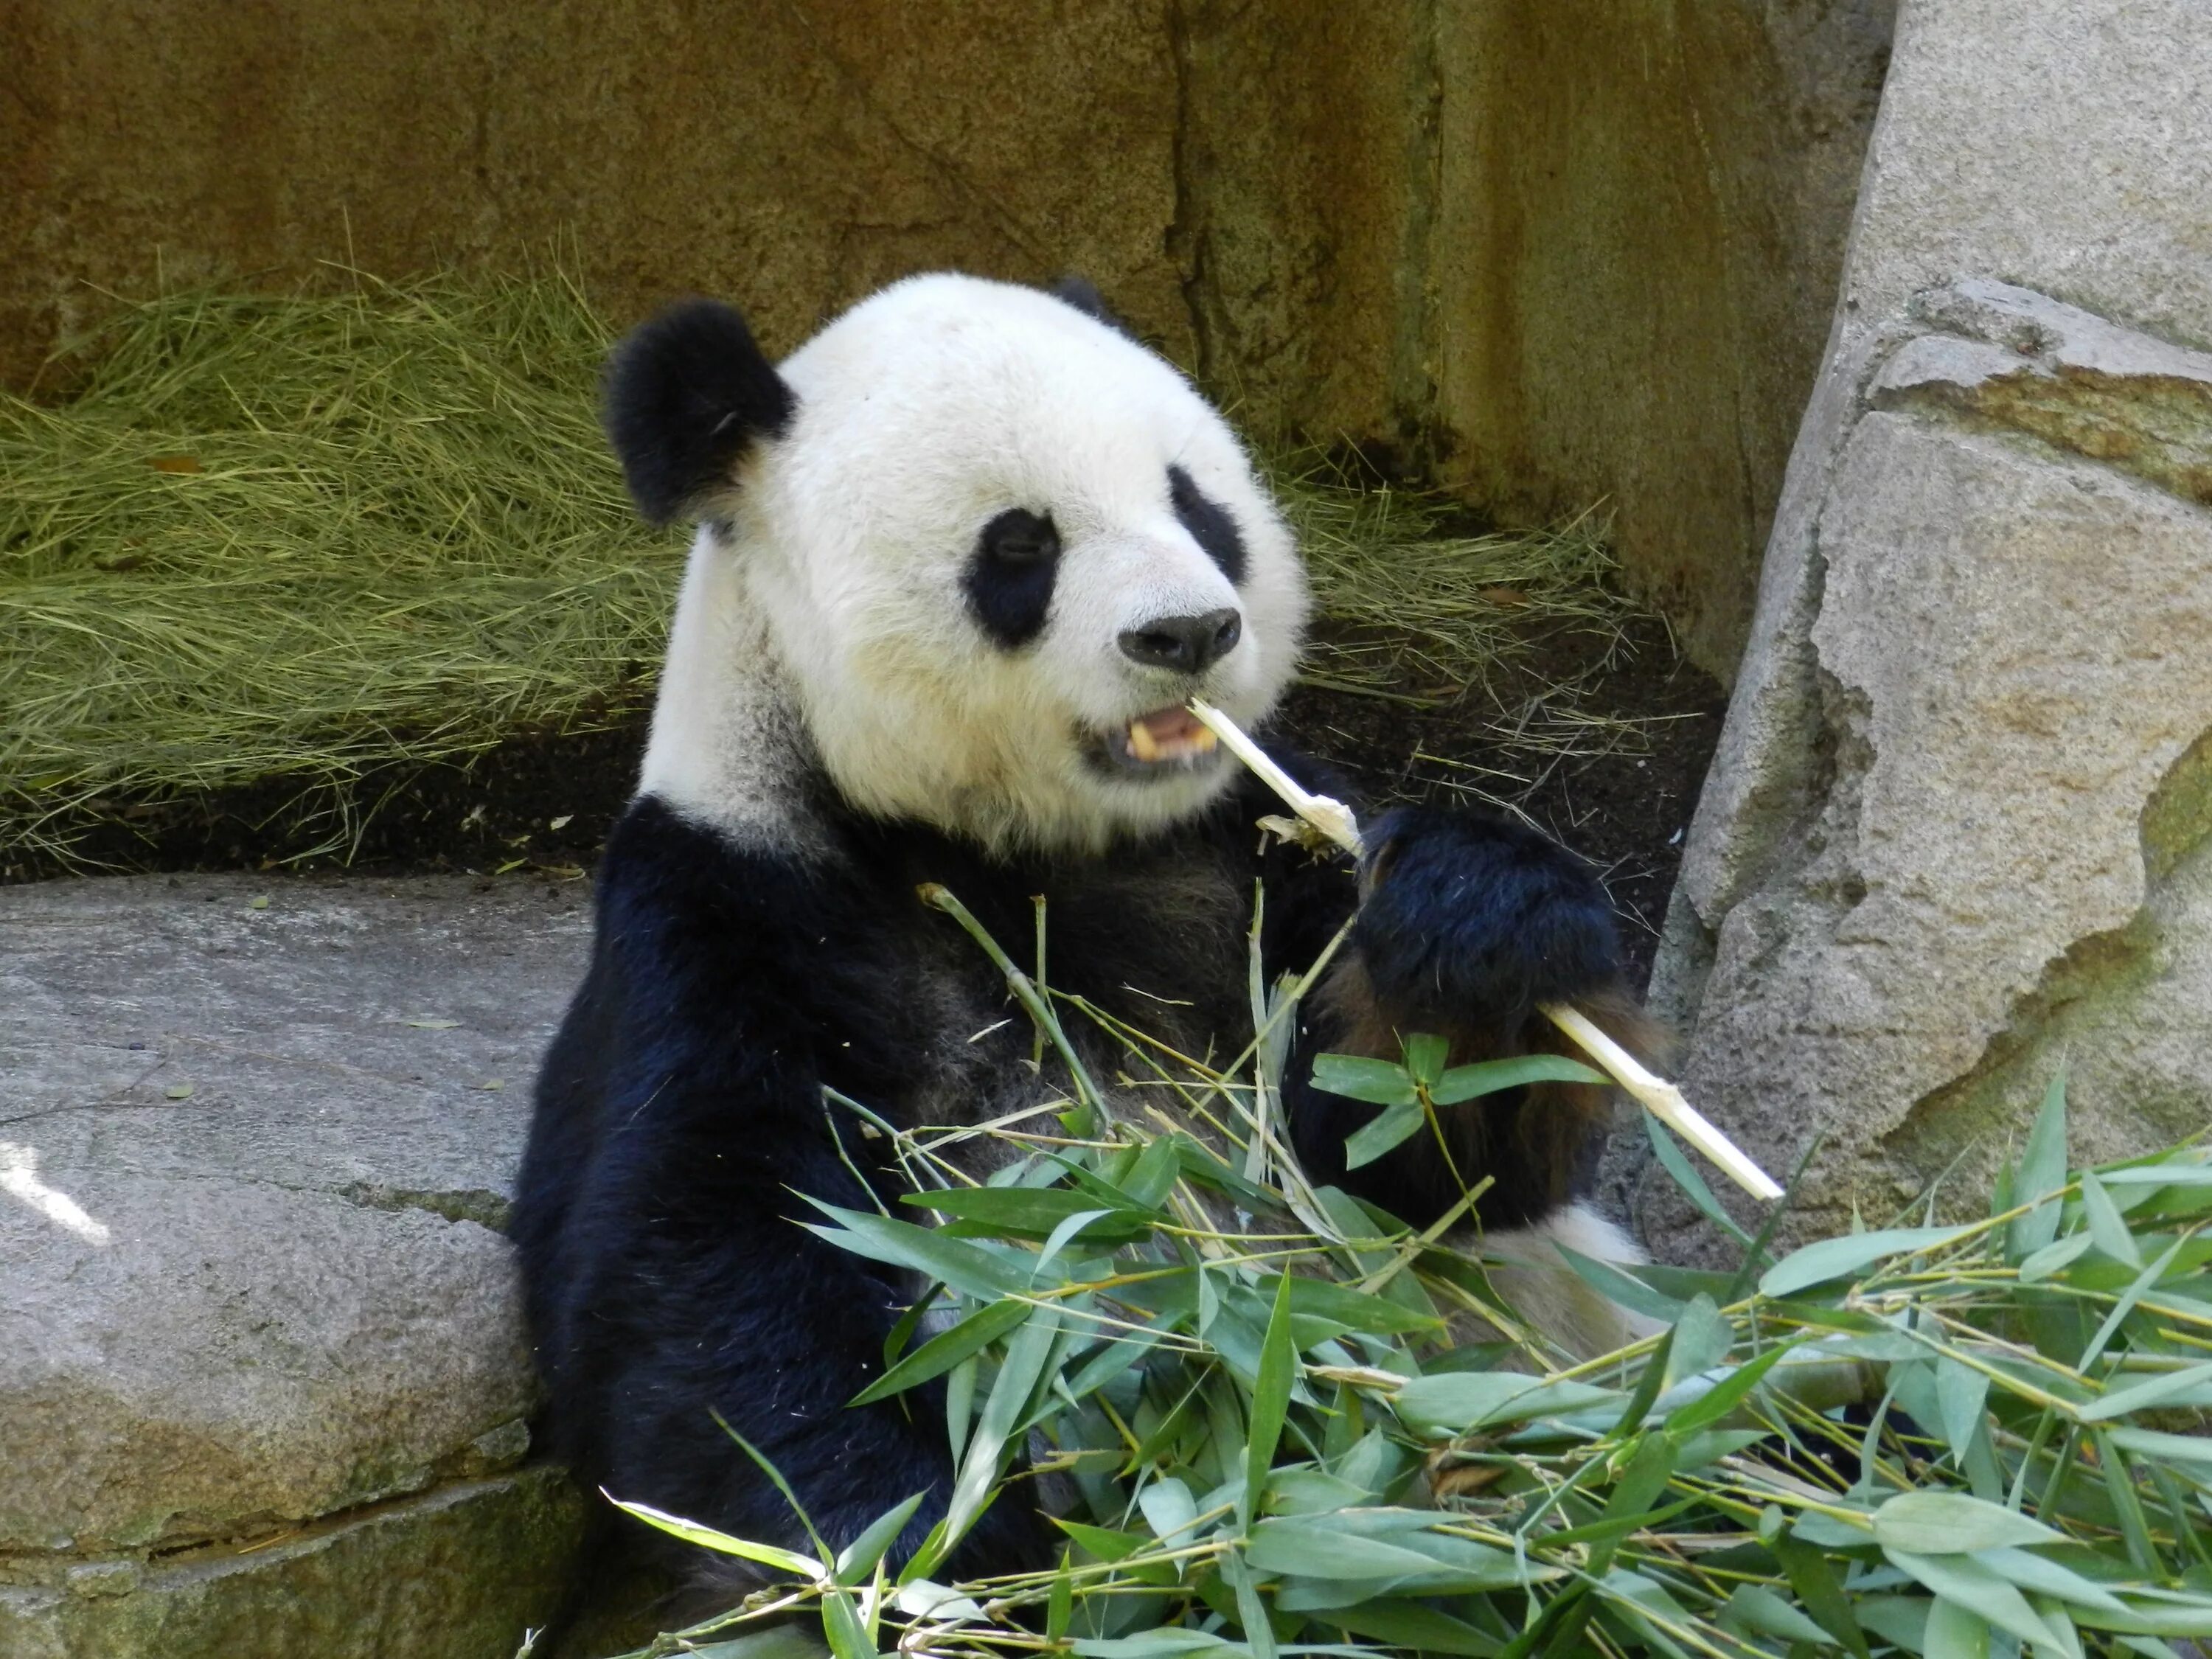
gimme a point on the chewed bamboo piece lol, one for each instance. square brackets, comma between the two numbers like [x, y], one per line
[1335, 820]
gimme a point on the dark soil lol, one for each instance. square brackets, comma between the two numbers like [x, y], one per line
[1622, 798]
[546, 803]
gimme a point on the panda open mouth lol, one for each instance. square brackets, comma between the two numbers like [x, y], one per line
[1166, 740]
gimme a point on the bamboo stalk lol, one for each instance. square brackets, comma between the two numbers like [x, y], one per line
[1331, 818]
[1334, 819]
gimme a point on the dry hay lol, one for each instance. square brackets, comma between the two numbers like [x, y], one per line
[302, 538]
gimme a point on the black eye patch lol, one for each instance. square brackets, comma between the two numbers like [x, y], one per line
[1209, 523]
[1009, 578]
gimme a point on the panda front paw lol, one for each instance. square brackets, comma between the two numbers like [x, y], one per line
[1469, 918]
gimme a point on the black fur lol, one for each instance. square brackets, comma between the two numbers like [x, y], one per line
[1209, 523]
[1009, 578]
[1469, 912]
[1083, 294]
[686, 393]
[680, 1110]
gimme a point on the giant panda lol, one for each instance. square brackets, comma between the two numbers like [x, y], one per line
[960, 562]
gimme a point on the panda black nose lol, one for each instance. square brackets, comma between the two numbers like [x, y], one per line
[1189, 645]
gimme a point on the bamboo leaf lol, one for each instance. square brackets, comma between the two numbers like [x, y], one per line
[1701, 1340]
[1355, 1077]
[1251, 1611]
[1425, 1054]
[2042, 1171]
[1346, 1308]
[1063, 1234]
[1724, 1396]
[1120, 1350]
[858, 1559]
[1060, 1608]
[2160, 1175]
[1413, 1626]
[1456, 1402]
[1390, 1128]
[1009, 1398]
[968, 1269]
[2120, 1486]
[1489, 1076]
[2045, 1577]
[1963, 1580]
[2042, 1263]
[1615, 1286]
[1685, 1175]
[1033, 1211]
[2141, 1396]
[2106, 1226]
[1954, 1523]
[1164, 1643]
[1101, 1543]
[1271, 1402]
[721, 1543]
[1153, 1175]
[1962, 1396]
[946, 1350]
[1170, 1510]
[1955, 1633]
[2172, 1447]
[1820, 1592]
[2126, 1304]
[1835, 1258]
[1755, 1608]
[841, 1627]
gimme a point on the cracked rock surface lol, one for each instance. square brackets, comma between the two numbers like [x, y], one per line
[256, 1140]
[1959, 833]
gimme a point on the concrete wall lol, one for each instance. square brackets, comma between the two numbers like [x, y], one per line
[1555, 249]
[1639, 217]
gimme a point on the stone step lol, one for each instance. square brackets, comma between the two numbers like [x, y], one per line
[263, 1382]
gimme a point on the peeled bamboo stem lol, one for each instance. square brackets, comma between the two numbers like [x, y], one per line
[1659, 1097]
[1331, 818]
[1662, 1099]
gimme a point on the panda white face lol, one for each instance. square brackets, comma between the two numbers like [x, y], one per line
[993, 550]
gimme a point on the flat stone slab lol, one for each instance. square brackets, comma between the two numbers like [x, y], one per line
[457, 1573]
[257, 1136]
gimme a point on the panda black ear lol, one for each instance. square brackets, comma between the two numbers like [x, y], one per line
[1083, 294]
[686, 394]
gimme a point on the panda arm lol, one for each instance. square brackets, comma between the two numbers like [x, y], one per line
[1461, 925]
[670, 1281]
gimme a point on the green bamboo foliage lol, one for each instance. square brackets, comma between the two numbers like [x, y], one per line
[1274, 1434]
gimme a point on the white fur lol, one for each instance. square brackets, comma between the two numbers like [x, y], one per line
[1539, 1286]
[922, 414]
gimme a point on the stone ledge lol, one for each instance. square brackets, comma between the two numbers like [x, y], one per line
[458, 1573]
[256, 1136]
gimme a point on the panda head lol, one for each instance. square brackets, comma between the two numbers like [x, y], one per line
[987, 545]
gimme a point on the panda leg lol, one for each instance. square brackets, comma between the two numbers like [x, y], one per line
[1534, 1280]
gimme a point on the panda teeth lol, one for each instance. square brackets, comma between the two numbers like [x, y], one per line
[1146, 746]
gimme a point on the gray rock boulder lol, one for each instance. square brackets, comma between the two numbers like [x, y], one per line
[263, 1386]
[1959, 830]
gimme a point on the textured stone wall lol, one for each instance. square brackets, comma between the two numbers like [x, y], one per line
[1959, 834]
[1559, 250]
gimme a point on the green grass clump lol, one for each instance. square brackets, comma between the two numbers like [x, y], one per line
[302, 538]
[1282, 1422]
